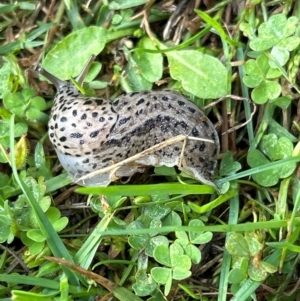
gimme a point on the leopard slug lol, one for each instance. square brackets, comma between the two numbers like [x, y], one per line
[90, 133]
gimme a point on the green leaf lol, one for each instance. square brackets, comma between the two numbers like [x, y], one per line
[199, 237]
[78, 47]
[257, 272]
[200, 74]
[157, 212]
[283, 102]
[123, 4]
[193, 253]
[273, 31]
[15, 103]
[228, 166]
[33, 113]
[38, 102]
[138, 242]
[236, 276]
[265, 178]
[161, 275]
[179, 274]
[237, 245]
[172, 219]
[162, 255]
[154, 242]
[253, 243]
[144, 284]
[150, 64]
[6, 223]
[134, 75]
[36, 235]
[275, 148]
[280, 55]
[266, 90]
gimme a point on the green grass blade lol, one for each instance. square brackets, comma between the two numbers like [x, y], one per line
[54, 242]
[151, 189]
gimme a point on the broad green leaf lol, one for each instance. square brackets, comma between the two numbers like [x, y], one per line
[134, 75]
[150, 64]
[200, 74]
[76, 47]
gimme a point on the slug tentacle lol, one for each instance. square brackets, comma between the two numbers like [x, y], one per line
[58, 83]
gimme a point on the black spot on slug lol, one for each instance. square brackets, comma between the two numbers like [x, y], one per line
[99, 102]
[124, 120]
[195, 132]
[88, 102]
[140, 101]
[76, 135]
[94, 134]
[202, 147]
[192, 110]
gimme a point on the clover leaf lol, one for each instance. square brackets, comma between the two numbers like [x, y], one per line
[278, 30]
[272, 149]
[228, 166]
[177, 265]
[259, 75]
[245, 250]
[25, 104]
[188, 240]
[144, 284]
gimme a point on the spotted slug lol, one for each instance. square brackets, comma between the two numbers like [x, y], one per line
[90, 133]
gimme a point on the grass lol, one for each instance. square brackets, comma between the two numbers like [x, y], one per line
[163, 235]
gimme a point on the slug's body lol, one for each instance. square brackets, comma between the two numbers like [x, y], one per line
[92, 133]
